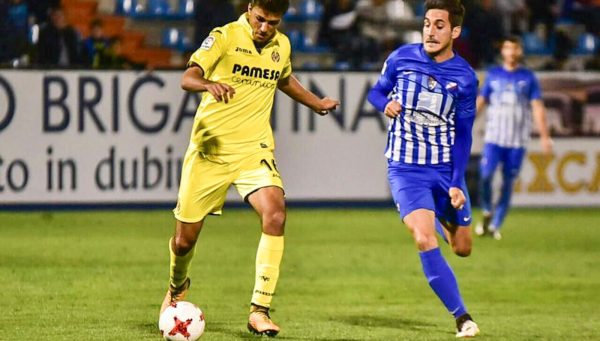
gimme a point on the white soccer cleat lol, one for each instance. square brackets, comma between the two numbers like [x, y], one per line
[479, 230]
[496, 235]
[468, 329]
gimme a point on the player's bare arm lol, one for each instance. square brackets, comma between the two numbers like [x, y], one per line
[392, 109]
[293, 88]
[539, 116]
[480, 104]
[193, 80]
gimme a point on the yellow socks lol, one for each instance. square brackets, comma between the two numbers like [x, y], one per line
[179, 266]
[268, 258]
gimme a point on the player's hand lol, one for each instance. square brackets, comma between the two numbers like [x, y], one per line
[221, 92]
[457, 198]
[392, 109]
[547, 145]
[327, 104]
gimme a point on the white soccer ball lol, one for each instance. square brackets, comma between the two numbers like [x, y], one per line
[181, 321]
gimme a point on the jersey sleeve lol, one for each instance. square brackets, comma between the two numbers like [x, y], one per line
[212, 48]
[486, 89]
[287, 69]
[535, 92]
[378, 95]
[387, 79]
[465, 106]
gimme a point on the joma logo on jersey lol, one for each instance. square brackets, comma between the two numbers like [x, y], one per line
[243, 50]
[256, 72]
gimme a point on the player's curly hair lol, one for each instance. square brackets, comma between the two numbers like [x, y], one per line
[454, 7]
[275, 6]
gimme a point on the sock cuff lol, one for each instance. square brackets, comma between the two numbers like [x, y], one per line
[269, 242]
[430, 253]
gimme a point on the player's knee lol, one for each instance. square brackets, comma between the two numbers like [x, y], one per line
[183, 245]
[425, 242]
[462, 251]
[274, 222]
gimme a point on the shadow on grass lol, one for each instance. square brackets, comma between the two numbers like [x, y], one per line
[386, 322]
[149, 329]
[241, 334]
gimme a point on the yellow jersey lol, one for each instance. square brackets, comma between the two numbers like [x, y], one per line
[232, 130]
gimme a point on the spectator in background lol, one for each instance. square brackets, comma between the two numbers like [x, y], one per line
[484, 27]
[338, 30]
[377, 29]
[3, 30]
[209, 14]
[115, 59]
[16, 34]
[341, 31]
[513, 13]
[542, 12]
[96, 46]
[59, 43]
[560, 54]
[40, 9]
[588, 13]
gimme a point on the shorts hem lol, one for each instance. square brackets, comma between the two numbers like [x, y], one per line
[195, 220]
[261, 187]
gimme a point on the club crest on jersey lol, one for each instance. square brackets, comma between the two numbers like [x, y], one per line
[275, 56]
[431, 83]
[208, 43]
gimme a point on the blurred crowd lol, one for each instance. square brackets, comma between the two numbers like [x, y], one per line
[360, 32]
[357, 33]
[37, 33]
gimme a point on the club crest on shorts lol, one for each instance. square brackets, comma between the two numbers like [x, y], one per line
[275, 56]
[207, 43]
[431, 83]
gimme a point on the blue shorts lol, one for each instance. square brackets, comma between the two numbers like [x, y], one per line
[419, 186]
[493, 154]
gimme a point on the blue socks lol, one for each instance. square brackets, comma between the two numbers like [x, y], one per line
[442, 280]
[504, 201]
[485, 193]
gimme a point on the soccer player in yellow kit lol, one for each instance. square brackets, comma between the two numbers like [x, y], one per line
[238, 67]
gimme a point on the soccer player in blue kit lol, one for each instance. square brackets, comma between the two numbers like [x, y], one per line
[512, 95]
[431, 112]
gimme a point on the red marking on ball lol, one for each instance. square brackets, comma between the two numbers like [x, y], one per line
[180, 327]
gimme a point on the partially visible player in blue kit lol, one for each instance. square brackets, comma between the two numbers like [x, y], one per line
[513, 95]
[431, 111]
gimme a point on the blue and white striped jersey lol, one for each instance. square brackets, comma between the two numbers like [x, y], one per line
[433, 97]
[509, 95]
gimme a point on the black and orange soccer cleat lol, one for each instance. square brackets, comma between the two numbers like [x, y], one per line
[175, 294]
[259, 322]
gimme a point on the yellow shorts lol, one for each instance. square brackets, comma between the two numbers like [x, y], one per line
[205, 181]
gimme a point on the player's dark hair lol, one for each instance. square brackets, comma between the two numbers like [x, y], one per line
[456, 11]
[275, 6]
[513, 39]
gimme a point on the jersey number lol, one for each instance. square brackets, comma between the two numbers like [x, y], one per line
[272, 166]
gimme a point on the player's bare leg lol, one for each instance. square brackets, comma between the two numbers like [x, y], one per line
[421, 224]
[269, 204]
[459, 238]
[182, 248]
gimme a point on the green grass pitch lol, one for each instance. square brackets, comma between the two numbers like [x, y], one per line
[346, 275]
